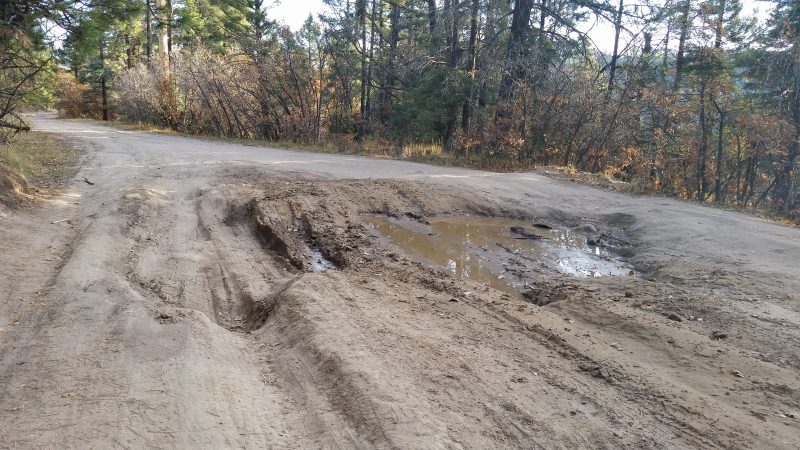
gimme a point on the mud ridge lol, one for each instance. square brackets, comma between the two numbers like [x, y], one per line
[344, 389]
[258, 311]
[635, 390]
[272, 231]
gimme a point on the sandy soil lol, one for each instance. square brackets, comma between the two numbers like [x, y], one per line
[177, 308]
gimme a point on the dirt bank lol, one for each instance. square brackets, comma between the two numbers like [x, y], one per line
[35, 165]
[214, 295]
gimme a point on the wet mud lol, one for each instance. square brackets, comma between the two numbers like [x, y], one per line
[496, 251]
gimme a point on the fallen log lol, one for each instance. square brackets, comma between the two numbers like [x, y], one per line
[13, 126]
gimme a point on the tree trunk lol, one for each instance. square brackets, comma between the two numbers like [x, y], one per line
[520, 28]
[680, 57]
[785, 187]
[454, 18]
[321, 84]
[703, 148]
[718, 27]
[472, 56]
[665, 57]
[718, 197]
[13, 126]
[388, 84]
[163, 19]
[373, 20]
[453, 22]
[432, 25]
[169, 28]
[614, 56]
[361, 14]
[542, 21]
[259, 21]
[128, 53]
[103, 90]
[149, 32]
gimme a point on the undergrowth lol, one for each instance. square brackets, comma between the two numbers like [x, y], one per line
[42, 159]
[434, 153]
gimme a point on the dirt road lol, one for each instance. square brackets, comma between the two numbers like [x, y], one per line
[179, 307]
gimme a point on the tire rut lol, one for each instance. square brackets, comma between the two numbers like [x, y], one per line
[244, 284]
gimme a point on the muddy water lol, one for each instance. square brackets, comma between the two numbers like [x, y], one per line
[450, 243]
[317, 261]
[479, 248]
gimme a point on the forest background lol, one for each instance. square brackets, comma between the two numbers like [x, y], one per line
[693, 99]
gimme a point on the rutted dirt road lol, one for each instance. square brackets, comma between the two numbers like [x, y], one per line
[178, 308]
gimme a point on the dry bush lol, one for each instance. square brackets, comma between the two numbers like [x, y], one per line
[203, 93]
[138, 95]
[76, 99]
[148, 95]
[230, 95]
[217, 94]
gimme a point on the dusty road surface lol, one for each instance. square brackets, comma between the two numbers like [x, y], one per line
[213, 295]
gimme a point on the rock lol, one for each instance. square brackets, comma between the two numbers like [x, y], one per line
[628, 294]
[454, 299]
[719, 335]
[593, 370]
[586, 228]
[165, 318]
[522, 233]
[675, 317]
[737, 373]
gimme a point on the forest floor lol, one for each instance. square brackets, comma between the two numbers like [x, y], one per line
[206, 294]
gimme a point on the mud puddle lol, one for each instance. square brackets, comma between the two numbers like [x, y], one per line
[317, 261]
[498, 251]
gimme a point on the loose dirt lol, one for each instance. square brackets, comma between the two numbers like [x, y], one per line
[217, 295]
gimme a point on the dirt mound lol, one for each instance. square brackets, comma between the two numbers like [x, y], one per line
[14, 189]
[299, 219]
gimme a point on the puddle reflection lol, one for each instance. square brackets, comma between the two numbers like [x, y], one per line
[477, 247]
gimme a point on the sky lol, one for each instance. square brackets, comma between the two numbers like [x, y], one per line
[294, 12]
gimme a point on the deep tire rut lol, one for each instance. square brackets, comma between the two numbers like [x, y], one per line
[244, 284]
